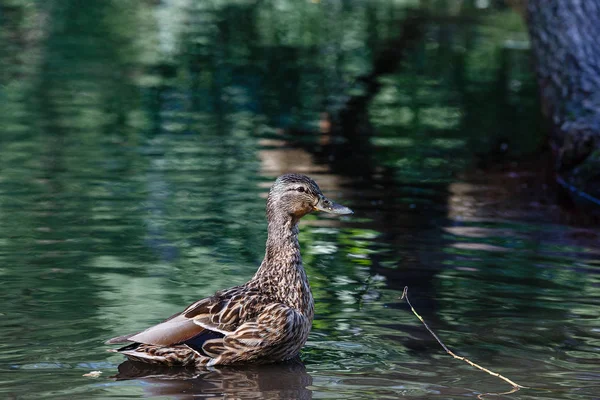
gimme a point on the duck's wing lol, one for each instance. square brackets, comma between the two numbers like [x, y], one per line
[174, 330]
[276, 334]
[208, 318]
[229, 310]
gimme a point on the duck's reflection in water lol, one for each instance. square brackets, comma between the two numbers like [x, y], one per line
[287, 380]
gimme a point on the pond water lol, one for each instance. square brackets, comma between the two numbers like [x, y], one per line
[138, 141]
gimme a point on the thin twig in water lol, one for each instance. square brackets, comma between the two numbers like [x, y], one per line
[515, 386]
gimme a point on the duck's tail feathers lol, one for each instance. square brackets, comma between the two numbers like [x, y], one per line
[179, 355]
[120, 339]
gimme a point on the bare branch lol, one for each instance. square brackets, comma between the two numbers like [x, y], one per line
[515, 386]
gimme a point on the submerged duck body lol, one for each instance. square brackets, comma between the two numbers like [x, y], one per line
[266, 320]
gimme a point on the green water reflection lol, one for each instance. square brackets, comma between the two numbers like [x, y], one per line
[137, 143]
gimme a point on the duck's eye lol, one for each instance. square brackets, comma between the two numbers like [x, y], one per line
[300, 189]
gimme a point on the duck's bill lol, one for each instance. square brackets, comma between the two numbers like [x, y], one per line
[329, 206]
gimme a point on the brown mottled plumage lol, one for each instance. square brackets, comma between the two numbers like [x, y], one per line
[265, 320]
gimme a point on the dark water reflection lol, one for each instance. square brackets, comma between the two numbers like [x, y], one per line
[281, 381]
[134, 165]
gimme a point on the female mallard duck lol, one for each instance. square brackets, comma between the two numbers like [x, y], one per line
[265, 320]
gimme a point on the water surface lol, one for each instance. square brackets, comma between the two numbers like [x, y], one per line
[138, 141]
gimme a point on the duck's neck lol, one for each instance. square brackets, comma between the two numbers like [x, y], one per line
[281, 273]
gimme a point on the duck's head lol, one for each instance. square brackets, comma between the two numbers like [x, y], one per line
[297, 195]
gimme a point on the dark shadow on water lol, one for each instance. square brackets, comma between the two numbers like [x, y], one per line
[287, 380]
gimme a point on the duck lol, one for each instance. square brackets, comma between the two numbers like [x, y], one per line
[267, 319]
